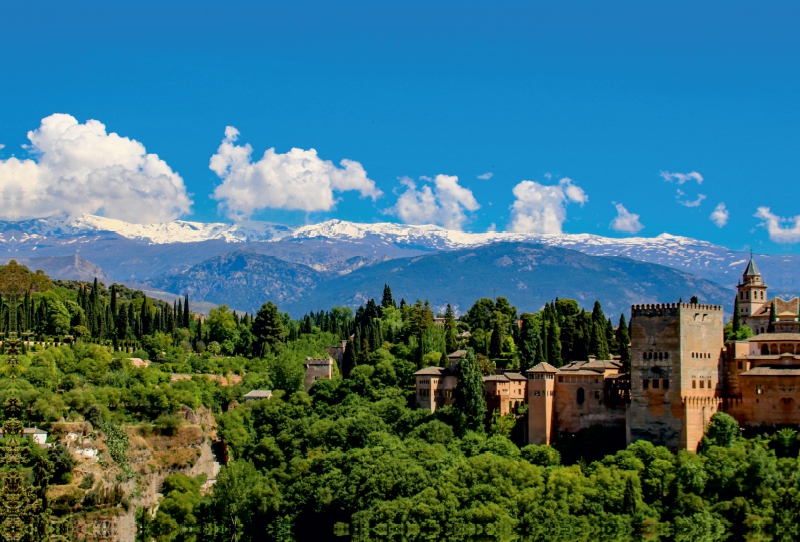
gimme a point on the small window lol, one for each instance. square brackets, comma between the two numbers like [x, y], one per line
[644, 355]
[709, 384]
[597, 394]
[581, 396]
[655, 383]
[694, 384]
[666, 384]
[666, 355]
[536, 393]
[760, 390]
[739, 365]
[561, 379]
[702, 384]
[645, 383]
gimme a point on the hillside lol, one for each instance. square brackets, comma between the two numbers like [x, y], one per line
[243, 280]
[529, 275]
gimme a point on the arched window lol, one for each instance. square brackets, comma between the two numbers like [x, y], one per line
[764, 350]
[581, 396]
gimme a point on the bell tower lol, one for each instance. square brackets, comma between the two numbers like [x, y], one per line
[752, 291]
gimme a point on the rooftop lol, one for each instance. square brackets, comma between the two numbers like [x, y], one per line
[433, 371]
[764, 337]
[773, 370]
[543, 367]
[258, 394]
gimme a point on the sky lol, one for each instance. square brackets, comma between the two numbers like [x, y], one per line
[610, 118]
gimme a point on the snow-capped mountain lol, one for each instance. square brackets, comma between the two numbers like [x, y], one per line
[328, 245]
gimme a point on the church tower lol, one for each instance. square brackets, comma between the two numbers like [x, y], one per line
[752, 291]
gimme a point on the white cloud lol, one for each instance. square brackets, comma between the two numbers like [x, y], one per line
[297, 180]
[720, 215]
[687, 203]
[542, 208]
[79, 168]
[681, 178]
[777, 232]
[625, 221]
[2, 146]
[486, 176]
[444, 204]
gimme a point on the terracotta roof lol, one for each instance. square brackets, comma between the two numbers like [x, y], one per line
[495, 378]
[773, 370]
[582, 372]
[543, 367]
[515, 376]
[598, 365]
[781, 305]
[764, 337]
[433, 371]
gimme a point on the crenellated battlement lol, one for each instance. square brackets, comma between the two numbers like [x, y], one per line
[670, 309]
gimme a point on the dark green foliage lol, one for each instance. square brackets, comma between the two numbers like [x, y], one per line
[623, 340]
[737, 317]
[722, 430]
[468, 395]
[267, 328]
[63, 463]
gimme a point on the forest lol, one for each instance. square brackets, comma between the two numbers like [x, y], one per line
[352, 458]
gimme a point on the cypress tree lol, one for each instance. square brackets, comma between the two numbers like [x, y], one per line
[737, 318]
[496, 340]
[348, 359]
[122, 324]
[387, 300]
[468, 394]
[772, 318]
[186, 314]
[528, 343]
[145, 318]
[267, 329]
[450, 328]
[624, 344]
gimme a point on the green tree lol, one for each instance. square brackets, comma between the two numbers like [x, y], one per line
[387, 300]
[450, 329]
[468, 394]
[722, 430]
[737, 318]
[624, 343]
[267, 329]
[528, 342]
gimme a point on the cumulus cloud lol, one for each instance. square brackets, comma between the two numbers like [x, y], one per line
[790, 233]
[720, 215]
[444, 204]
[79, 168]
[689, 203]
[540, 208]
[681, 178]
[485, 177]
[625, 221]
[297, 180]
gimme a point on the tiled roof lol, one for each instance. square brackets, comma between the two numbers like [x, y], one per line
[458, 354]
[764, 337]
[433, 371]
[543, 367]
[773, 370]
[598, 365]
[515, 376]
[781, 305]
[495, 378]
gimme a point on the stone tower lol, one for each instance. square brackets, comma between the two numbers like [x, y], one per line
[541, 399]
[752, 291]
[676, 351]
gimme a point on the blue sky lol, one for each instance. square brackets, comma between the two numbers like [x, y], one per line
[606, 94]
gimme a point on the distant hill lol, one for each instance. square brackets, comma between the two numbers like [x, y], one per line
[529, 275]
[243, 280]
[64, 267]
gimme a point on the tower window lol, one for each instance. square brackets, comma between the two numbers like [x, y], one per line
[666, 384]
[581, 396]
[645, 383]
[702, 382]
[694, 384]
[655, 383]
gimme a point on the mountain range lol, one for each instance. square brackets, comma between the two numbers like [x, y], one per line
[198, 257]
[528, 275]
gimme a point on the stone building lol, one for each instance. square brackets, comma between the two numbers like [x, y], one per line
[504, 392]
[434, 387]
[317, 369]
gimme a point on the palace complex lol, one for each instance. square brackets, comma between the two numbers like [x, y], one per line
[682, 372]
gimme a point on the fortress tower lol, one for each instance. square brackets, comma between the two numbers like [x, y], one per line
[676, 351]
[752, 292]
